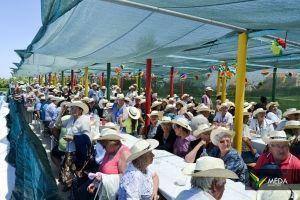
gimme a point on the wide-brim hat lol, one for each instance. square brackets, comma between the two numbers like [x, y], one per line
[208, 89]
[165, 120]
[141, 147]
[181, 103]
[108, 106]
[110, 125]
[202, 108]
[276, 137]
[86, 99]
[81, 105]
[103, 87]
[190, 105]
[153, 113]
[272, 104]
[203, 128]
[94, 84]
[169, 107]
[258, 110]
[224, 105]
[156, 103]
[247, 105]
[183, 122]
[292, 124]
[207, 166]
[127, 99]
[134, 113]
[109, 134]
[120, 96]
[291, 111]
[184, 96]
[218, 133]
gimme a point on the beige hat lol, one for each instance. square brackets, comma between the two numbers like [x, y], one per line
[184, 96]
[272, 104]
[230, 104]
[218, 133]
[94, 84]
[203, 128]
[258, 110]
[110, 125]
[169, 107]
[108, 106]
[134, 113]
[127, 99]
[141, 147]
[91, 100]
[104, 101]
[103, 87]
[43, 97]
[277, 195]
[153, 113]
[165, 120]
[85, 99]
[207, 166]
[202, 108]
[109, 134]
[208, 89]
[189, 115]
[224, 105]
[180, 102]
[81, 105]
[247, 105]
[120, 96]
[291, 111]
[156, 103]
[190, 105]
[275, 137]
[183, 122]
[52, 87]
[292, 124]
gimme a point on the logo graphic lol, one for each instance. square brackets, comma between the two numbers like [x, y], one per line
[257, 182]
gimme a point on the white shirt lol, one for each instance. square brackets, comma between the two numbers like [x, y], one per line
[194, 194]
[273, 117]
[265, 128]
[281, 125]
[227, 119]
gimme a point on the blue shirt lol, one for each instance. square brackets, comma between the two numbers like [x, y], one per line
[43, 108]
[117, 112]
[51, 112]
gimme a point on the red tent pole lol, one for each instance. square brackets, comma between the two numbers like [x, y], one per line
[72, 79]
[148, 90]
[102, 79]
[172, 82]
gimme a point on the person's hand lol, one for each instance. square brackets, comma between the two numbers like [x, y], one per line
[202, 142]
[155, 196]
[91, 188]
[98, 177]
[254, 151]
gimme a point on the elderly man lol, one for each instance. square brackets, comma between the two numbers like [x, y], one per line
[259, 124]
[206, 98]
[208, 179]
[118, 108]
[279, 157]
[224, 118]
[93, 92]
[289, 114]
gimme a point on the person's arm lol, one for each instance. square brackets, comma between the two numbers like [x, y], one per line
[191, 156]
[122, 164]
[155, 186]
[248, 143]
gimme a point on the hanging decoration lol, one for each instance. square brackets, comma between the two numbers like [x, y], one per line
[277, 46]
[264, 72]
[118, 70]
[183, 76]
[208, 75]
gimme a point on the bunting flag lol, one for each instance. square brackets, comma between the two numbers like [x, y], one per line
[183, 76]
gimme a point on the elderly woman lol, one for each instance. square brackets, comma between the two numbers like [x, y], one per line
[113, 163]
[184, 138]
[272, 113]
[152, 128]
[130, 122]
[203, 145]
[223, 118]
[208, 179]
[165, 135]
[293, 128]
[259, 124]
[139, 182]
[222, 137]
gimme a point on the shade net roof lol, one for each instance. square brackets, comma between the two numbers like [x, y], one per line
[93, 32]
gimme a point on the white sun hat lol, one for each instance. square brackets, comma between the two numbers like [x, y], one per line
[141, 147]
[276, 137]
[183, 122]
[258, 110]
[81, 105]
[207, 166]
[292, 124]
[218, 133]
[109, 134]
[133, 113]
[203, 128]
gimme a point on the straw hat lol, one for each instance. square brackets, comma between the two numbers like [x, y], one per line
[247, 105]
[42, 97]
[127, 99]
[52, 87]
[141, 147]
[189, 114]
[104, 101]
[156, 103]
[134, 113]
[169, 107]
[120, 96]
[65, 103]
[291, 111]
[85, 99]
[110, 125]
[275, 137]
[208, 89]
[276, 195]
[230, 104]
[184, 96]
[108, 106]
[183, 122]
[109, 134]
[203, 128]
[103, 87]
[218, 133]
[94, 84]
[207, 166]
[293, 124]
[190, 105]
[224, 105]
[202, 108]
[91, 100]
[258, 110]
[197, 121]
[153, 113]
[180, 102]
[81, 105]
[165, 120]
[272, 104]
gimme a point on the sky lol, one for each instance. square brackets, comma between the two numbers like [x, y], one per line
[20, 20]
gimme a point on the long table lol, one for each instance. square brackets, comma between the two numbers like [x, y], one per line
[258, 144]
[171, 180]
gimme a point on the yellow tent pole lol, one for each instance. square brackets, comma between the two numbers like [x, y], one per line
[86, 83]
[240, 89]
[224, 82]
[119, 80]
[218, 83]
[54, 79]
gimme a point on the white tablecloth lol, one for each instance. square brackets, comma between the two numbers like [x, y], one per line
[168, 167]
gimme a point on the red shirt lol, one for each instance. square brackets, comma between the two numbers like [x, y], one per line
[290, 167]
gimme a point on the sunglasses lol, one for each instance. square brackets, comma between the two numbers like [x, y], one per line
[223, 141]
[174, 126]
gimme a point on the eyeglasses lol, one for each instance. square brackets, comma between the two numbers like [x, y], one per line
[223, 141]
[174, 126]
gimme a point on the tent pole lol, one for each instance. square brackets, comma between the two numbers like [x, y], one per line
[40, 82]
[102, 79]
[218, 83]
[72, 80]
[108, 70]
[139, 82]
[86, 81]
[148, 91]
[274, 83]
[62, 78]
[240, 89]
[224, 82]
[172, 82]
